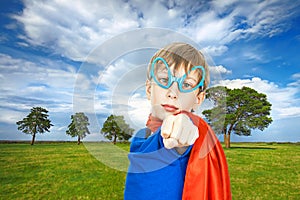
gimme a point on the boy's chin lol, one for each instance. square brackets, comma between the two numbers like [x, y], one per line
[162, 113]
[166, 114]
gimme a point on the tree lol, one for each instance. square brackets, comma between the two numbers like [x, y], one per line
[115, 128]
[78, 127]
[35, 122]
[237, 111]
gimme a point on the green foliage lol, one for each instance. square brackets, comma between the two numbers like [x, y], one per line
[238, 110]
[216, 115]
[35, 122]
[78, 126]
[115, 128]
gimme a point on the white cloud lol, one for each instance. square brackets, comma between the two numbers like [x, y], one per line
[123, 82]
[296, 76]
[114, 72]
[11, 116]
[215, 50]
[296, 80]
[217, 73]
[139, 110]
[240, 20]
[254, 54]
[285, 101]
[25, 84]
[74, 28]
[24, 73]
[219, 69]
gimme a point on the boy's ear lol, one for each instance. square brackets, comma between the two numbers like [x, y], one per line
[199, 99]
[148, 89]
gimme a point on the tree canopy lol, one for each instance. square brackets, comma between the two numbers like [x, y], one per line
[35, 122]
[78, 126]
[115, 128]
[237, 111]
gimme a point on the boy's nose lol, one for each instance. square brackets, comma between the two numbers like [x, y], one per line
[173, 91]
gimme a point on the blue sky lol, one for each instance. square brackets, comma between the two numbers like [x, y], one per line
[91, 56]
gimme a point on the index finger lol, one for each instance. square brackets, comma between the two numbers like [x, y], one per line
[167, 126]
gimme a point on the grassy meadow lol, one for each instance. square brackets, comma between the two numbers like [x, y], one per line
[70, 171]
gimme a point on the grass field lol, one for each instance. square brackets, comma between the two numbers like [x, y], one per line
[69, 171]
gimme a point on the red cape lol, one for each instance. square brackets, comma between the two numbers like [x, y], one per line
[207, 174]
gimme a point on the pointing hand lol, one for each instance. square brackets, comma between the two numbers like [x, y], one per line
[178, 131]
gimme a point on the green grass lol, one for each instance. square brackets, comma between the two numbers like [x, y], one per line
[264, 171]
[56, 171]
[69, 171]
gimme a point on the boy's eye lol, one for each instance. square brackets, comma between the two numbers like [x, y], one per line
[162, 77]
[163, 81]
[188, 84]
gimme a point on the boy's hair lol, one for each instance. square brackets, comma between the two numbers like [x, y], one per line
[183, 55]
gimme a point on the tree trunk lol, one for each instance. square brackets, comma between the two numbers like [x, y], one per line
[115, 139]
[227, 136]
[227, 140]
[78, 141]
[34, 132]
[33, 138]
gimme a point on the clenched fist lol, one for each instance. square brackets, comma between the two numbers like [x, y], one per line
[178, 131]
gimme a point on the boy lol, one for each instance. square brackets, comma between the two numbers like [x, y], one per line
[177, 156]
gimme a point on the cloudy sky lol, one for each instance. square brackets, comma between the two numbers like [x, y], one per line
[91, 56]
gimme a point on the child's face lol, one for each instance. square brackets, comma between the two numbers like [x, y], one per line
[170, 101]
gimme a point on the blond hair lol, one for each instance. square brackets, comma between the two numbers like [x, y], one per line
[182, 54]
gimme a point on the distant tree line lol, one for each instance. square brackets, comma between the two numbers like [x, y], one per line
[235, 111]
[37, 121]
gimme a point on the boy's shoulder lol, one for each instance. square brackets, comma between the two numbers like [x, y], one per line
[138, 138]
[141, 134]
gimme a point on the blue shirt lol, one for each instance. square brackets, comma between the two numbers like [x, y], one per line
[154, 173]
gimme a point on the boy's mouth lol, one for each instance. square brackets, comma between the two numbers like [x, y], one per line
[169, 108]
